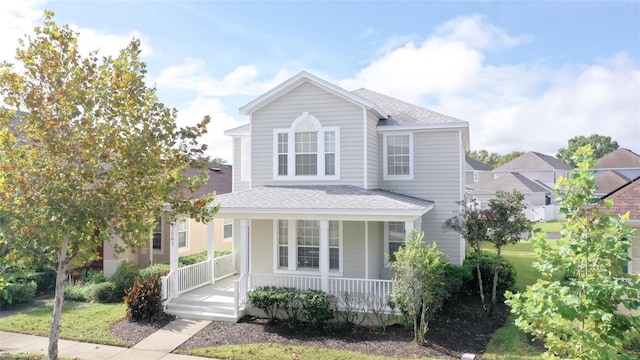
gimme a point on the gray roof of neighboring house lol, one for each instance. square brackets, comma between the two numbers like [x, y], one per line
[474, 164]
[321, 199]
[533, 161]
[220, 181]
[608, 181]
[403, 113]
[510, 182]
[619, 159]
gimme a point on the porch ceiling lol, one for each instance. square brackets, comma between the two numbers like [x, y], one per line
[342, 202]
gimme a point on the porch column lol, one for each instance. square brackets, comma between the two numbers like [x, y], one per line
[366, 249]
[211, 248]
[244, 246]
[173, 258]
[410, 225]
[324, 255]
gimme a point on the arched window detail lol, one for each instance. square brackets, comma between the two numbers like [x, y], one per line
[306, 150]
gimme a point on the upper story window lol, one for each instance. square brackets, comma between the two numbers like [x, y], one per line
[398, 156]
[306, 150]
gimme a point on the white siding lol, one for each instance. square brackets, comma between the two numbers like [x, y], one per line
[261, 246]
[373, 160]
[330, 110]
[437, 177]
[238, 184]
[353, 245]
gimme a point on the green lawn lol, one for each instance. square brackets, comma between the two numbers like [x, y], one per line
[80, 321]
[280, 352]
[549, 226]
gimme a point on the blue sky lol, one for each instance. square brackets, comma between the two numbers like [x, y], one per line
[527, 75]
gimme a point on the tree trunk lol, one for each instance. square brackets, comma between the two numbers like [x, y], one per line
[494, 288]
[480, 284]
[61, 275]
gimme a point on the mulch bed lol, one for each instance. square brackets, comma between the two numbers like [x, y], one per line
[459, 328]
[134, 331]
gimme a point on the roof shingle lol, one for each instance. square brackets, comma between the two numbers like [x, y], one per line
[533, 161]
[510, 182]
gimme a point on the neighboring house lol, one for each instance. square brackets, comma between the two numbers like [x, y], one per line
[608, 181]
[476, 173]
[537, 167]
[532, 174]
[191, 235]
[616, 169]
[627, 198]
[536, 195]
[328, 184]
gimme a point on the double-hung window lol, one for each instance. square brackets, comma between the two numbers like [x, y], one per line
[395, 238]
[297, 245]
[398, 156]
[157, 234]
[182, 233]
[306, 150]
[228, 228]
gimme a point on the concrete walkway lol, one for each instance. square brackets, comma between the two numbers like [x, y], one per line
[158, 345]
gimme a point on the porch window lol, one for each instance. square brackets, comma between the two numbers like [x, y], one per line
[157, 234]
[396, 236]
[283, 244]
[228, 228]
[308, 236]
[334, 245]
[182, 233]
[307, 153]
[398, 156]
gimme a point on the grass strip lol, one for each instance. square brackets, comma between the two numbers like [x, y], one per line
[280, 352]
[86, 322]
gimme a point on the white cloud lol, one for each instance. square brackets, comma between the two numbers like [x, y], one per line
[110, 44]
[477, 32]
[410, 72]
[17, 18]
[193, 75]
[218, 144]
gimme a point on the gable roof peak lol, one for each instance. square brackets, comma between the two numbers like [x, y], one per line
[533, 161]
[620, 158]
[300, 78]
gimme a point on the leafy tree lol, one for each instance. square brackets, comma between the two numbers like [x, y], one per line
[579, 318]
[472, 225]
[493, 159]
[507, 223]
[418, 283]
[601, 146]
[92, 156]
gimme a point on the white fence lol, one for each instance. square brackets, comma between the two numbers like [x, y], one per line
[224, 266]
[240, 290]
[194, 276]
[289, 281]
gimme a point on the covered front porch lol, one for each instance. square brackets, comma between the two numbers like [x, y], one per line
[293, 241]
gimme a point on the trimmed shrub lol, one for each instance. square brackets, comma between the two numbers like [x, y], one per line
[269, 299]
[78, 292]
[105, 292]
[15, 294]
[317, 307]
[91, 276]
[124, 277]
[144, 300]
[506, 274]
[221, 252]
[157, 270]
[455, 280]
[192, 259]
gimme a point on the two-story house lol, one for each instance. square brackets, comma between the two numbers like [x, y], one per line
[328, 183]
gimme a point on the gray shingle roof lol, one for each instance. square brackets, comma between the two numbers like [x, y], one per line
[619, 159]
[323, 199]
[404, 113]
[510, 182]
[474, 164]
[609, 181]
[533, 161]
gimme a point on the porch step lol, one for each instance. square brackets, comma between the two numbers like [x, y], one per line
[218, 309]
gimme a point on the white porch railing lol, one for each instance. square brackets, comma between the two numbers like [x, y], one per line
[376, 292]
[224, 266]
[166, 287]
[291, 281]
[194, 276]
[240, 290]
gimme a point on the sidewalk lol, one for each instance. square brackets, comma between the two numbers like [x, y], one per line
[156, 346]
